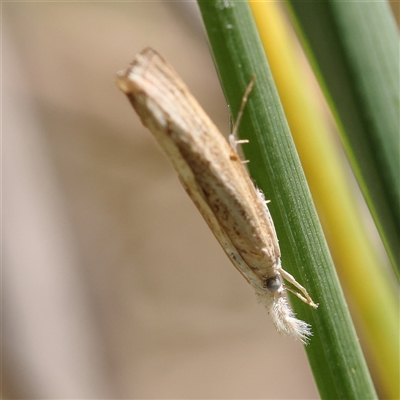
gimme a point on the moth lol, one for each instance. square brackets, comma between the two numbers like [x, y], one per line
[213, 175]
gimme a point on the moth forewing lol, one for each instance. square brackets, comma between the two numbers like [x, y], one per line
[150, 103]
[214, 177]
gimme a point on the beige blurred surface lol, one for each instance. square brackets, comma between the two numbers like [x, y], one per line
[113, 286]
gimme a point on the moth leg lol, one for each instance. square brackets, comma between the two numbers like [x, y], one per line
[233, 141]
[302, 298]
[307, 299]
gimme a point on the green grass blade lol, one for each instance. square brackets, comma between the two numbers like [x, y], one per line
[353, 250]
[334, 353]
[354, 47]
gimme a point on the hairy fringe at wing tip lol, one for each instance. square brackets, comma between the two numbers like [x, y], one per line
[284, 318]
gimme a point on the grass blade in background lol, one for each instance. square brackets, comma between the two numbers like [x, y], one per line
[354, 47]
[355, 256]
[334, 353]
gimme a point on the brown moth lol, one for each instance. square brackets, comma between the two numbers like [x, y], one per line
[213, 175]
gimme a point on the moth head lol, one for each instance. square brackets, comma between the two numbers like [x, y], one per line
[274, 283]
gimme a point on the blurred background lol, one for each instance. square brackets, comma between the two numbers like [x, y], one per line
[113, 285]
